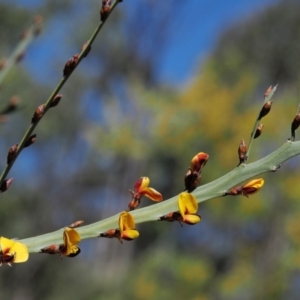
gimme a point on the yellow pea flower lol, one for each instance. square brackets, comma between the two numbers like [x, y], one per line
[141, 188]
[126, 229]
[12, 251]
[249, 188]
[188, 208]
[69, 248]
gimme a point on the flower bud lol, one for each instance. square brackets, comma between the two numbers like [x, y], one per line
[105, 10]
[242, 150]
[12, 153]
[5, 185]
[70, 65]
[267, 92]
[55, 100]
[258, 130]
[265, 109]
[191, 180]
[111, 234]
[86, 49]
[295, 125]
[31, 140]
[199, 161]
[38, 114]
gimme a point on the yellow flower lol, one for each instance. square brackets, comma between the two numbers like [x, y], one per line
[188, 208]
[249, 188]
[69, 248]
[252, 186]
[71, 240]
[12, 251]
[141, 189]
[126, 229]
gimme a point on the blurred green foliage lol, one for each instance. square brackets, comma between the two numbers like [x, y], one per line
[116, 123]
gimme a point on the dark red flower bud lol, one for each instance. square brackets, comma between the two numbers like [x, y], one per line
[38, 114]
[265, 109]
[55, 100]
[295, 125]
[105, 10]
[31, 140]
[5, 185]
[70, 65]
[191, 180]
[258, 130]
[12, 153]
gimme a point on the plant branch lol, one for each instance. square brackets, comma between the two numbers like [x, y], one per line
[214, 189]
[20, 49]
[32, 126]
[268, 98]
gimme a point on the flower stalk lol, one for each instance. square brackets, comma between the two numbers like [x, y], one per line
[263, 112]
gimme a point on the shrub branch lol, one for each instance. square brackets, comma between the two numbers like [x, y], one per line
[214, 189]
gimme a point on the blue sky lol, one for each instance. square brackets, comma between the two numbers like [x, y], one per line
[194, 32]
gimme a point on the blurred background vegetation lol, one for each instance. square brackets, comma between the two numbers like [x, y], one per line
[119, 120]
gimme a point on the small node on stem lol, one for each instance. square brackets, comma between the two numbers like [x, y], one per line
[86, 48]
[258, 131]
[55, 100]
[12, 153]
[171, 217]
[242, 150]
[295, 125]
[31, 140]
[76, 224]
[105, 10]
[70, 65]
[20, 56]
[5, 185]
[38, 114]
[265, 109]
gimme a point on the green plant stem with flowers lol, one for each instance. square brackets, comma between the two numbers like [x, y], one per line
[123, 225]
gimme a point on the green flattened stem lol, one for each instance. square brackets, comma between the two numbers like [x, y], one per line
[208, 191]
